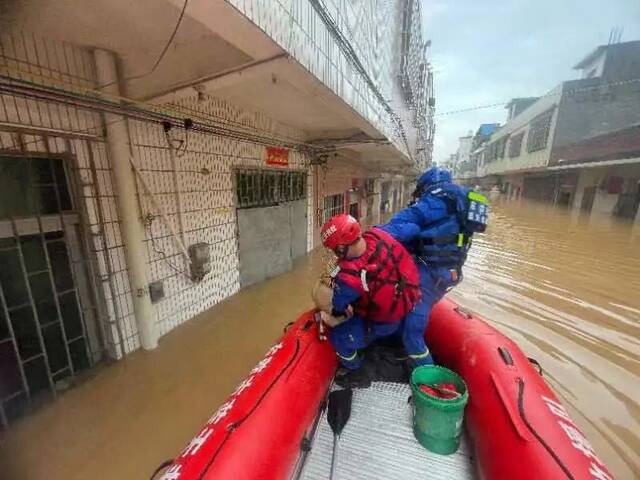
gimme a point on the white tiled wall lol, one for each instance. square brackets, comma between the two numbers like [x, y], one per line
[207, 200]
[521, 123]
[373, 28]
[208, 210]
[69, 67]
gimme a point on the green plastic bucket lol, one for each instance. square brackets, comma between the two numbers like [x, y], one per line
[437, 422]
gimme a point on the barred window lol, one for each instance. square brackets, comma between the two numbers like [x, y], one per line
[539, 132]
[369, 186]
[263, 188]
[501, 146]
[33, 186]
[491, 153]
[515, 145]
[332, 205]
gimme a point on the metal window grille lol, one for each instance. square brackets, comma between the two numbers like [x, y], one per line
[264, 188]
[332, 205]
[501, 146]
[491, 153]
[515, 145]
[49, 326]
[409, 187]
[539, 132]
[370, 206]
[414, 72]
[369, 186]
[64, 292]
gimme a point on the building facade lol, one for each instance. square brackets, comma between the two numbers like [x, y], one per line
[577, 145]
[147, 162]
[460, 160]
[471, 163]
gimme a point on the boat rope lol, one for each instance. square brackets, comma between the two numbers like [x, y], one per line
[536, 364]
[234, 425]
[161, 467]
[548, 448]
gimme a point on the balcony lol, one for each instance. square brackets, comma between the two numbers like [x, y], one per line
[280, 57]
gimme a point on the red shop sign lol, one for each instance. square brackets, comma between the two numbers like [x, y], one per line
[278, 156]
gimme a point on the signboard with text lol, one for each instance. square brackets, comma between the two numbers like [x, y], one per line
[277, 156]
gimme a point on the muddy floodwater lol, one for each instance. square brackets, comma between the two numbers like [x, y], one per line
[565, 287]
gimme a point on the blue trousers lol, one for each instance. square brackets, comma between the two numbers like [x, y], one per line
[351, 336]
[434, 283]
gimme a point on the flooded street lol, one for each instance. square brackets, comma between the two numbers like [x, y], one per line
[564, 288]
[158, 199]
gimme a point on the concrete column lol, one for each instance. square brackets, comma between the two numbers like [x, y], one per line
[120, 154]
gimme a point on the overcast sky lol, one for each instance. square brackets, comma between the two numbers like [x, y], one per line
[486, 52]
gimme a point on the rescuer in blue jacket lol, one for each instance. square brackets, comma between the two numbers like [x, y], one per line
[437, 229]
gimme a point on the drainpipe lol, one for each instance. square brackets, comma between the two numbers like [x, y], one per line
[119, 147]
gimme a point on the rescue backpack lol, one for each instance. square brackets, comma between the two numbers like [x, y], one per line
[446, 241]
[476, 213]
[385, 276]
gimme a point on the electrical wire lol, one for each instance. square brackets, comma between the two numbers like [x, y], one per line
[165, 258]
[177, 111]
[183, 146]
[199, 114]
[552, 93]
[173, 35]
[217, 125]
[352, 56]
[164, 50]
[30, 89]
[243, 132]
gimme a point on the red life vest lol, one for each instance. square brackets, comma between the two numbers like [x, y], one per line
[385, 276]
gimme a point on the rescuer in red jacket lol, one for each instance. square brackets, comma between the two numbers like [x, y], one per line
[375, 286]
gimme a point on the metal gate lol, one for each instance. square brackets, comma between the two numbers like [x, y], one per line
[272, 221]
[50, 323]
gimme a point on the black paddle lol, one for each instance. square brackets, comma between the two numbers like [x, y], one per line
[338, 413]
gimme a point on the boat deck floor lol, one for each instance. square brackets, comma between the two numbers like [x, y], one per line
[378, 443]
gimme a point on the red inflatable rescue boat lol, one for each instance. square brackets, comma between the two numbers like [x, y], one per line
[272, 426]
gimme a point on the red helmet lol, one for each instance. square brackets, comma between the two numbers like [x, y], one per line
[341, 230]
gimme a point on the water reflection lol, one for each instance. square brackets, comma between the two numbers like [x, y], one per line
[563, 286]
[566, 287]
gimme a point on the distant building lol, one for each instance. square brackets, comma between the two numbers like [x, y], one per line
[457, 162]
[517, 105]
[451, 163]
[484, 133]
[471, 149]
[464, 147]
[579, 144]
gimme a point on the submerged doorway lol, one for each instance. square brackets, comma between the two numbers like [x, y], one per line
[48, 324]
[272, 222]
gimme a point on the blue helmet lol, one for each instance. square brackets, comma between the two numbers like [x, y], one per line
[432, 176]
